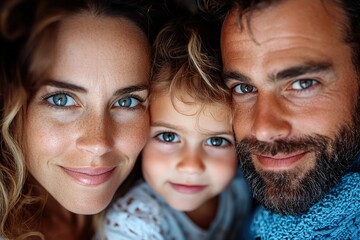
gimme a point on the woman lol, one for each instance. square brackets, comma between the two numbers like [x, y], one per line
[74, 110]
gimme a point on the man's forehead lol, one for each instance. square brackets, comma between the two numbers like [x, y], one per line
[290, 17]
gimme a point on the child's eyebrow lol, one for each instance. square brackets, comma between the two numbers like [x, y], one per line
[165, 124]
[203, 131]
[210, 132]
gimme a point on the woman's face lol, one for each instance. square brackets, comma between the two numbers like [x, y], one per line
[87, 123]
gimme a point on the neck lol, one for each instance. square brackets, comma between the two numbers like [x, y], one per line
[56, 222]
[204, 215]
[59, 223]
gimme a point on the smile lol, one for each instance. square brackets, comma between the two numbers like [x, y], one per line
[279, 161]
[187, 189]
[90, 176]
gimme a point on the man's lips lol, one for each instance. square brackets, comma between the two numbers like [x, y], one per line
[89, 176]
[279, 161]
[187, 189]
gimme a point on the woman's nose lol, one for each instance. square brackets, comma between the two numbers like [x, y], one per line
[96, 135]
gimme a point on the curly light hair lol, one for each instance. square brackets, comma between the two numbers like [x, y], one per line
[26, 41]
[187, 63]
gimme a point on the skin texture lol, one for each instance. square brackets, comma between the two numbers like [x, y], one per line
[189, 158]
[289, 79]
[99, 64]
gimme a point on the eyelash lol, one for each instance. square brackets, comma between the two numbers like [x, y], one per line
[160, 135]
[314, 84]
[138, 98]
[225, 142]
[239, 85]
[53, 94]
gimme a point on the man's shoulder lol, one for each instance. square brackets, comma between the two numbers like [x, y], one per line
[356, 164]
[336, 216]
[346, 190]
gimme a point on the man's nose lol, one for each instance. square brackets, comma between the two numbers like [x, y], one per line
[270, 118]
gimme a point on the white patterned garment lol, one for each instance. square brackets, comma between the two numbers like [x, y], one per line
[143, 215]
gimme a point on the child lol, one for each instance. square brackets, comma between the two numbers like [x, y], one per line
[189, 162]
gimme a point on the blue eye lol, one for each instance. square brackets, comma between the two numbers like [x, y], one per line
[127, 102]
[217, 142]
[168, 137]
[244, 88]
[303, 84]
[61, 100]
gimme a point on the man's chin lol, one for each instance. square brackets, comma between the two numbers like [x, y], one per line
[294, 191]
[298, 188]
[285, 193]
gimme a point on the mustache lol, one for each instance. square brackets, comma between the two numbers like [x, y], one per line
[305, 143]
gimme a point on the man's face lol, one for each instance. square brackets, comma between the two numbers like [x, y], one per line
[294, 91]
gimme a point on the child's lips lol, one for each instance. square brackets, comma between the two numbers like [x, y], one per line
[187, 189]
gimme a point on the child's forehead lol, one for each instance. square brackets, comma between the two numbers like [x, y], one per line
[186, 105]
[186, 83]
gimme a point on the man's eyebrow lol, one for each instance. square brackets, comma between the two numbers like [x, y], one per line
[306, 68]
[292, 72]
[65, 85]
[131, 89]
[230, 75]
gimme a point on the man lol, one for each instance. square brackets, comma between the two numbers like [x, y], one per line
[293, 69]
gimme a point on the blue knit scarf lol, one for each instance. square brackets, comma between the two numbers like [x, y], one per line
[336, 216]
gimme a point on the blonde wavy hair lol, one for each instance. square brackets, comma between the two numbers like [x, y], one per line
[20, 203]
[26, 42]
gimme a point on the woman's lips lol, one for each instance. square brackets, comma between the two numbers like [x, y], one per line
[279, 161]
[90, 176]
[187, 189]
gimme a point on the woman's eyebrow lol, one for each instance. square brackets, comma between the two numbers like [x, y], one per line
[131, 89]
[73, 87]
[65, 85]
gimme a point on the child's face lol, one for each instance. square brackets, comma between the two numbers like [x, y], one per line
[189, 158]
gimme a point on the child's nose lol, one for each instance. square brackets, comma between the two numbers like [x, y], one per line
[191, 163]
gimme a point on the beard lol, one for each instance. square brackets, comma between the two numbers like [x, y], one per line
[289, 192]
